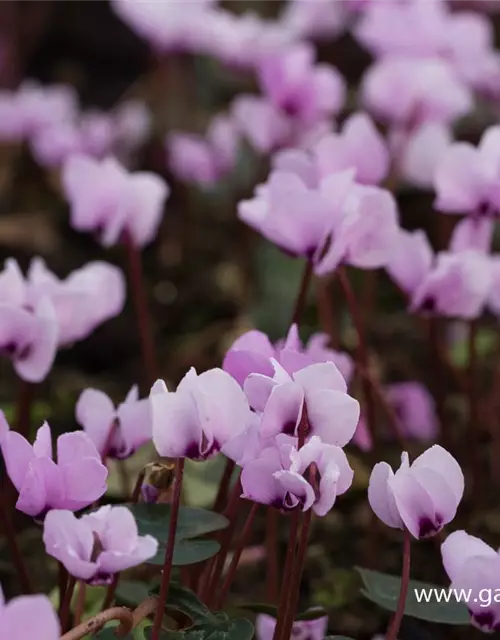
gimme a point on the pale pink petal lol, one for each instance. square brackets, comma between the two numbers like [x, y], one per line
[283, 410]
[29, 617]
[95, 413]
[70, 541]
[332, 415]
[381, 497]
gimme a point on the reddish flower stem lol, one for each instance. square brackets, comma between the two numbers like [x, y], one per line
[474, 413]
[438, 368]
[362, 355]
[302, 295]
[224, 485]
[287, 574]
[80, 602]
[169, 552]
[17, 556]
[240, 545]
[296, 577]
[216, 567]
[272, 555]
[136, 277]
[393, 630]
[25, 398]
[66, 603]
[136, 493]
[327, 318]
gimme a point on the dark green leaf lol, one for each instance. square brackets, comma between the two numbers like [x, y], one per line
[187, 602]
[270, 610]
[218, 627]
[384, 590]
[188, 552]
[131, 592]
[260, 607]
[312, 614]
[154, 519]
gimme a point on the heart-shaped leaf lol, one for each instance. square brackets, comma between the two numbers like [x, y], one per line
[154, 519]
[218, 627]
[186, 601]
[270, 610]
[384, 590]
[131, 592]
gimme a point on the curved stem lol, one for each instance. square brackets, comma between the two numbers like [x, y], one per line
[169, 551]
[97, 623]
[392, 633]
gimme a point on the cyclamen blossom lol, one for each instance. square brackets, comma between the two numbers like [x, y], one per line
[331, 413]
[450, 284]
[407, 92]
[474, 566]
[423, 497]
[85, 299]
[96, 546]
[415, 408]
[204, 159]
[467, 179]
[359, 146]
[301, 88]
[116, 433]
[464, 39]
[166, 25]
[321, 20]
[200, 417]
[301, 630]
[252, 353]
[28, 617]
[278, 476]
[28, 335]
[108, 200]
[76, 480]
[31, 108]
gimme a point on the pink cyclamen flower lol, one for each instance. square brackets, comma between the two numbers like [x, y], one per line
[362, 437]
[32, 107]
[450, 284]
[301, 630]
[166, 25]
[415, 408]
[204, 159]
[474, 566]
[116, 433]
[106, 199]
[359, 146]
[365, 233]
[262, 123]
[252, 353]
[98, 545]
[332, 414]
[200, 417]
[418, 153]
[29, 334]
[408, 91]
[278, 476]
[242, 40]
[467, 179]
[77, 479]
[313, 20]
[423, 497]
[28, 617]
[299, 87]
[88, 297]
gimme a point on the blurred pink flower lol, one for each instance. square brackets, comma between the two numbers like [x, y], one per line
[204, 159]
[106, 199]
[28, 617]
[302, 629]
